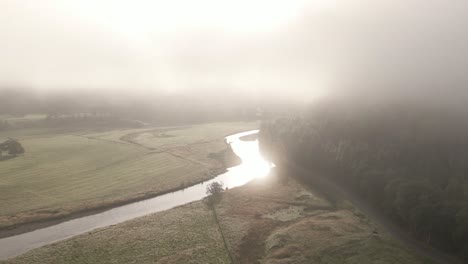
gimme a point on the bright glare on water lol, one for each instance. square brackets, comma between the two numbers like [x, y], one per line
[253, 166]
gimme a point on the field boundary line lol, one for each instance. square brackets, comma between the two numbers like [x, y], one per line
[101, 139]
[186, 159]
[222, 234]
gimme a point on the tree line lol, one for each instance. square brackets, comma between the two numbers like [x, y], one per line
[411, 162]
[160, 109]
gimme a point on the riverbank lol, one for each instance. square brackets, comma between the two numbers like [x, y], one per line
[269, 220]
[250, 137]
[150, 173]
[47, 222]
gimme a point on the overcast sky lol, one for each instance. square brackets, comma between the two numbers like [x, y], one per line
[292, 48]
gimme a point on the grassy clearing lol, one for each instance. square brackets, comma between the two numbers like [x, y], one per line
[163, 139]
[63, 174]
[269, 221]
[185, 234]
[265, 221]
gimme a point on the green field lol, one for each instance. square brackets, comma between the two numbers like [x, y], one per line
[185, 234]
[265, 221]
[62, 174]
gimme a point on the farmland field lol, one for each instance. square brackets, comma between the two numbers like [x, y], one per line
[265, 221]
[62, 174]
[185, 234]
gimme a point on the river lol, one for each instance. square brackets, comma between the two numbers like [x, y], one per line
[252, 166]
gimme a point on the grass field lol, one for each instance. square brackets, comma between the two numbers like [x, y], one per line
[265, 221]
[271, 221]
[62, 174]
[185, 234]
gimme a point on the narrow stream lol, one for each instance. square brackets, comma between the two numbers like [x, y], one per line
[253, 166]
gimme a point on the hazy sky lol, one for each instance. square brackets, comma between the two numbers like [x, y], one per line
[293, 48]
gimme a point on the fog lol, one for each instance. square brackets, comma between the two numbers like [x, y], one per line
[356, 102]
[294, 50]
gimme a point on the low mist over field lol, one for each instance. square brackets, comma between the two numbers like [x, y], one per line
[248, 131]
[294, 50]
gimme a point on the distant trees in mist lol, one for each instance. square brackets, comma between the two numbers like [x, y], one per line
[69, 108]
[4, 125]
[412, 162]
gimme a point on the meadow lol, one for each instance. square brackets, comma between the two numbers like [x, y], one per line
[266, 221]
[62, 174]
[185, 234]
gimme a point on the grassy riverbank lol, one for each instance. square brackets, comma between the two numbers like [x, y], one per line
[185, 234]
[267, 221]
[68, 174]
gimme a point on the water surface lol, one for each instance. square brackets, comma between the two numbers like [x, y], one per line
[253, 166]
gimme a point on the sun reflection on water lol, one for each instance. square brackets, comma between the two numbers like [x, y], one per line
[253, 164]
